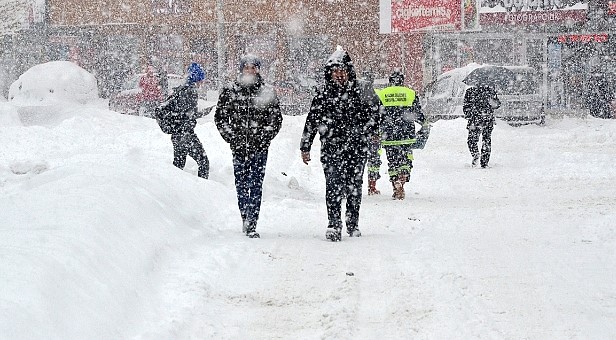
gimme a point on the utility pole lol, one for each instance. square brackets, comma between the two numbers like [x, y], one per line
[220, 33]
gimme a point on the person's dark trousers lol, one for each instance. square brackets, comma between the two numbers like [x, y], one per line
[374, 160]
[249, 171]
[399, 161]
[343, 179]
[486, 142]
[189, 144]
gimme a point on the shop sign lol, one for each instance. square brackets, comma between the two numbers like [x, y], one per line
[531, 12]
[420, 15]
[611, 7]
[585, 38]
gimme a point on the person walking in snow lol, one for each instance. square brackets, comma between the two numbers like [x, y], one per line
[248, 117]
[599, 96]
[345, 124]
[366, 85]
[151, 94]
[181, 112]
[401, 110]
[479, 105]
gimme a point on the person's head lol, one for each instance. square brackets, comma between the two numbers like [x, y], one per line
[249, 68]
[339, 68]
[195, 74]
[149, 70]
[396, 78]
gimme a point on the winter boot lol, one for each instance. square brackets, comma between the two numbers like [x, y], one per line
[250, 229]
[353, 232]
[372, 187]
[475, 161]
[398, 187]
[333, 234]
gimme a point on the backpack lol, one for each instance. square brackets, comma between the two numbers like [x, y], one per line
[169, 117]
[164, 118]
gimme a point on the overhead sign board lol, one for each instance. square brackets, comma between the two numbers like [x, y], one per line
[420, 15]
[530, 12]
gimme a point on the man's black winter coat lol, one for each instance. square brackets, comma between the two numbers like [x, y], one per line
[248, 117]
[344, 121]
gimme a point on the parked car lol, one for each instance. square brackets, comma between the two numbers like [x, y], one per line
[128, 100]
[521, 99]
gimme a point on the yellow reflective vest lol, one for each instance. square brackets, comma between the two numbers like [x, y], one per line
[396, 96]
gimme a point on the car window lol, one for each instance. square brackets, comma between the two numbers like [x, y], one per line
[525, 83]
[442, 87]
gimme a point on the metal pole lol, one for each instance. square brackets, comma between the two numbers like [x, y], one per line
[220, 32]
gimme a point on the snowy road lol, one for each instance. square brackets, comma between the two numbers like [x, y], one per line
[102, 238]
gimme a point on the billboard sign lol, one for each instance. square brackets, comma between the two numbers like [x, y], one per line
[531, 12]
[419, 15]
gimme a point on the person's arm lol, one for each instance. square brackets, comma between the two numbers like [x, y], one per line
[222, 116]
[310, 128]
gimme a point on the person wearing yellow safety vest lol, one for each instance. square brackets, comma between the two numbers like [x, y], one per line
[400, 110]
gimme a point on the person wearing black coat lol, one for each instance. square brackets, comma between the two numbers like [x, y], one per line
[599, 96]
[182, 105]
[479, 105]
[248, 117]
[346, 124]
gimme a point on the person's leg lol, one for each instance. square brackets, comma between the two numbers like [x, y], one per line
[334, 192]
[256, 174]
[197, 152]
[241, 186]
[374, 167]
[179, 150]
[472, 140]
[354, 170]
[486, 145]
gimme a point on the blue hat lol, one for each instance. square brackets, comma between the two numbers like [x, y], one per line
[195, 73]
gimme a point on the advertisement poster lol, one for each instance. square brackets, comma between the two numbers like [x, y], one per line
[531, 12]
[422, 15]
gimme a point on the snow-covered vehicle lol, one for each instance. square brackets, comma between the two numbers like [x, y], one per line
[521, 99]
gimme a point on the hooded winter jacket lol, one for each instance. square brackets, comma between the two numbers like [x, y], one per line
[248, 116]
[479, 105]
[179, 110]
[343, 120]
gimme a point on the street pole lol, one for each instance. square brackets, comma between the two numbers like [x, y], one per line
[220, 29]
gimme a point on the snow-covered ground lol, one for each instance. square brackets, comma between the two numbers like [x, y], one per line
[102, 238]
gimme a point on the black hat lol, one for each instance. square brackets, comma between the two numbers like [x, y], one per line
[396, 78]
[250, 59]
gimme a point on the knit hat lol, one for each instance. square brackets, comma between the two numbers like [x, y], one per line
[195, 73]
[250, 59]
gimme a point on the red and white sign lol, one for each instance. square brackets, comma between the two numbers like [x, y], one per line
[611, 7]
[587, 38]
[421, 15]
[530, 12]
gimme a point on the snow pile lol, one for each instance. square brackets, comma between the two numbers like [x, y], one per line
[102, 238]
[51, 83]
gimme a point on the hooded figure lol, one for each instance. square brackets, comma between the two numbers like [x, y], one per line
[346, 124]
[151, 94]
[179, 113]
[248, 118]
[479, 105]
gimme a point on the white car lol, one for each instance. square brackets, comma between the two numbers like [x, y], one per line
[521, 100]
